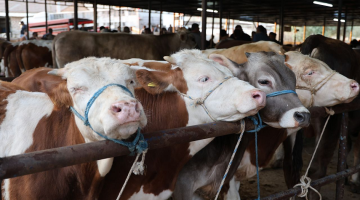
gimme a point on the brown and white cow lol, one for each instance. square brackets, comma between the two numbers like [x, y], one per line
[237, 53]
[33, 121]
[191, 73]
[34, 53]
[67, 47]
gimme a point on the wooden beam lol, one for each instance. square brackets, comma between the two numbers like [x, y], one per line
[75, 14]
[7, 20]
[203, 24]
[149, 7]
[46, 18]
[339, 20]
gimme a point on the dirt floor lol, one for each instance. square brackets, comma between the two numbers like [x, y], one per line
[272, 180]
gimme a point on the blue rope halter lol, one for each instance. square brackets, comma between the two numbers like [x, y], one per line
[258, 126]
[138, 144]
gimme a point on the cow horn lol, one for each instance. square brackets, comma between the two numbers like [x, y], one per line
[170, 59]
[57, 72]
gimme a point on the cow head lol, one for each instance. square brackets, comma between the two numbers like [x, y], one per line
[330, 88]
[193, 75]
[114, 113]
[266, 71]
[187, 40]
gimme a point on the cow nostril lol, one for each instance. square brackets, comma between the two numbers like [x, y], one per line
[354, 86]
[299, 117]
[116, 109]
[256, 96]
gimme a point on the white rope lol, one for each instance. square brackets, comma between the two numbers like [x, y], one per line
[242, 130]
[138, 170]
[305, 180]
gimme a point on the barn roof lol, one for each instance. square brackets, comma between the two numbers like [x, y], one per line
[296, 12]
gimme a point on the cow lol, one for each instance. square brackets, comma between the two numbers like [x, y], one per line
[34, 53]
[340, 57]
[10, 62]
[269, 138]
[33, 121]
[117, 45]
[165, 93]
[237, 53]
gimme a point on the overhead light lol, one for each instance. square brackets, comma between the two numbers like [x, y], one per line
[341, 20]
[208, 10]
[323, 3]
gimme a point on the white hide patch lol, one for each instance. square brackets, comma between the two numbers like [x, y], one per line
[196, 146]
[233, 192]
[164, 195]
[2, 67]
[104, 166]
[40, 43]
[288, 120]
[24, 111]
[246, 168]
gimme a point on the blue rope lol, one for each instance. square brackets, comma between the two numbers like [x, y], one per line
[280, 93]
[138, 144]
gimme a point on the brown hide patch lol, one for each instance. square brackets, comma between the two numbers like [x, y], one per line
[288, 65]
[158, 66]
[60, 95]
[6, 89]
[269, 140]
[33, 56]
[164, 111]
[155, 82]
[74, 182]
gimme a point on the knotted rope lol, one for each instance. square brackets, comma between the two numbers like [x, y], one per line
[313, 90]
[305, 181]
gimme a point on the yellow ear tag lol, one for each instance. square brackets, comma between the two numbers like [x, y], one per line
[151, 84]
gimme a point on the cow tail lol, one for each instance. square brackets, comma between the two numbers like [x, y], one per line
[53, 52]
[7, 52]
[19, 57]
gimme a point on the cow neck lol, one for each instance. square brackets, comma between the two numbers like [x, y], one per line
[314, 89]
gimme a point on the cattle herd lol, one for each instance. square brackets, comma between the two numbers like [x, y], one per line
[155, 83]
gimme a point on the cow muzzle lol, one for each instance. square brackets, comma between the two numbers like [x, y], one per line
[126, 111]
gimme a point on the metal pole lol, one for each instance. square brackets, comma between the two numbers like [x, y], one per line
[352, 26]
[304, 34]
[339, 20]
[282, 22]
[109, 17]
[34, 162]
[342, 155]
[161, 11]
[120, 18]
[46, 17]
[203, 24]
[7, 20]
[27, 18]
[344, 32]
[323, 28]
[75, 14]
[212, 25]
[149, 6]
[95, 16]
[220, 16]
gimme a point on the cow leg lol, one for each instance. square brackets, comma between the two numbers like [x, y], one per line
[293, 163]
[185, 185]
[233, 192]
[325, 151]
[355, 179]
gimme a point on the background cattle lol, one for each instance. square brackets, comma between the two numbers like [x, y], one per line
[74, 45]
[33, 121]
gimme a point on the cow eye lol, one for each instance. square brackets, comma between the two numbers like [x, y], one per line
[204, 79]
[131, 82]
[263, 82]
[310, 73]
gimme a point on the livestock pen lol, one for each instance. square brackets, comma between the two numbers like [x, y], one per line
[34, 162]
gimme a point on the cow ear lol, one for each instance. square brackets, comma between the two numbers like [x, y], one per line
[222, 60]
[314, 52]
[154, 82]
[58, 72]
[60, 95]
